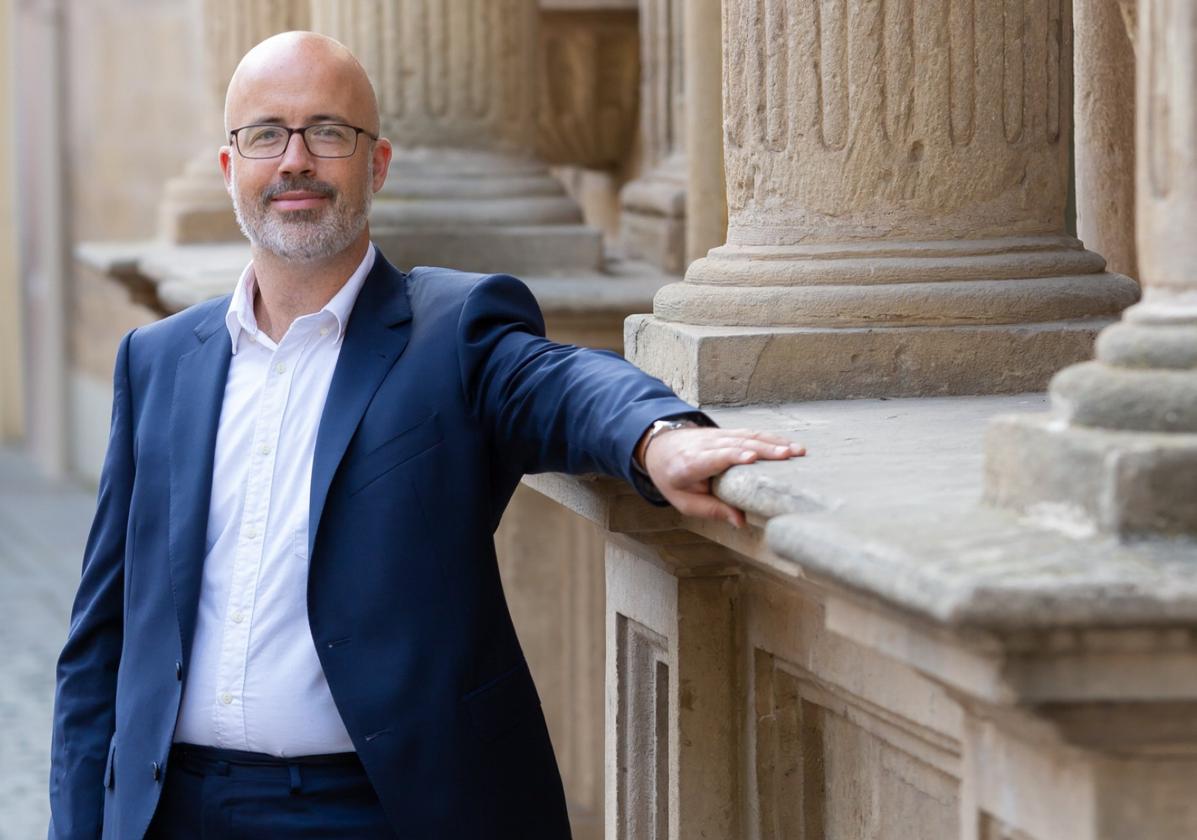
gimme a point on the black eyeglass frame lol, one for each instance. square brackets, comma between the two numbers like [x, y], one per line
[302, 132]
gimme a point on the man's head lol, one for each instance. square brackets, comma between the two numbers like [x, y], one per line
[300, 205]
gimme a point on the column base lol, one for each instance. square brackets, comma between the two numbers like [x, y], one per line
[660, 240]
[481, 211]
[652, 222]
[711, 365]
[532, 249]
[1091, 479]
[196, 206]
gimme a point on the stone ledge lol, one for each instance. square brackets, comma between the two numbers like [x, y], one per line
[183, 275]
[887, 507]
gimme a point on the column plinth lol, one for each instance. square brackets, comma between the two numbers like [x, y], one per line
[1128, 419]
[195, 206]
[457, 85]
[900, 174]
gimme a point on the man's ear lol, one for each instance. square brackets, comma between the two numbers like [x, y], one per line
[226, 167]
[381, 160]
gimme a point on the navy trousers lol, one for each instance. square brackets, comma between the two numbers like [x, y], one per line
[215, 794]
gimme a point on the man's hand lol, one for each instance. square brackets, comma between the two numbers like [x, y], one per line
[682, 462]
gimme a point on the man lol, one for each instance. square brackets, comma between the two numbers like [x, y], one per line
[290, 621]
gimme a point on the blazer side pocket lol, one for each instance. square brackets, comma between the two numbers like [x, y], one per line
[367, 467]
[503, 703]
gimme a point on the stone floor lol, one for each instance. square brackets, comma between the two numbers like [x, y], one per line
[43, 527]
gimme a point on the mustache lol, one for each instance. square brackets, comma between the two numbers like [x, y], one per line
[311, 185]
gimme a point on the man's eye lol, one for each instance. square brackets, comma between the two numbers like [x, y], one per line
[263, 136]
[329, 132]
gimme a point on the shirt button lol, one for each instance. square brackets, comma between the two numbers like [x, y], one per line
[264, 449]
[280, 368]
[238, 617]
[251, 533]
[226, 698]
[324, 330]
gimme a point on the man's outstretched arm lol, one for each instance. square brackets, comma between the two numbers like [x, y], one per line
[85, 695]
[559, 407]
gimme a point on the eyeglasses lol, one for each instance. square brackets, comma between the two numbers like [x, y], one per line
[323, 140]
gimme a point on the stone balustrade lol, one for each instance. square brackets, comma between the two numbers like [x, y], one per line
[876, 655]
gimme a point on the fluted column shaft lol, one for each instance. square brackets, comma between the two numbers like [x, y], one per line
[457, 86]
[1145, 376]
[1105, 133]
[872, 147]
[653, 206]
[195, 205]
[1119, 452]
[449, 73]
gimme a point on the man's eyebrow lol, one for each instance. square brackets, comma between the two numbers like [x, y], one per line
[314, 118]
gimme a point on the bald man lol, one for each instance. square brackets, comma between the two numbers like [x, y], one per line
[290, 621]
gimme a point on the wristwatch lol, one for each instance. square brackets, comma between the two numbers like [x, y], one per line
[660, 427]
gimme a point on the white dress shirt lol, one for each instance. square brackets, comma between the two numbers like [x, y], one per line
[254, 681]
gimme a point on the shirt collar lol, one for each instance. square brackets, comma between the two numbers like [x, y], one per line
[240, 315]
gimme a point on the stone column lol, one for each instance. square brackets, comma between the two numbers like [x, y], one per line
[706, 198]
[653, 207]
[1120, 451]
[896, 183]
[195, 205]
[12, 403]
[1105, 133]
[457, 85]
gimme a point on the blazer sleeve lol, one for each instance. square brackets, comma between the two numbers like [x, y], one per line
[85, 694]
[551, 406]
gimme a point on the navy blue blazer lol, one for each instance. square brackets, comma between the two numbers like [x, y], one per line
[445, 392]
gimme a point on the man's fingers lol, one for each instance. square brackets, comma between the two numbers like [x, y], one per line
[753, 434]
[705, 505]
[696, 466]
[771, 447]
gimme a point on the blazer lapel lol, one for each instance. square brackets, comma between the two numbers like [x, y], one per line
[376, 335]
[194, 415]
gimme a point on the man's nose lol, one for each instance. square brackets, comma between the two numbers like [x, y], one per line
[296, 157]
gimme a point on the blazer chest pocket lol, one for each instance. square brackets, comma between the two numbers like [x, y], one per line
[503, 703]
[378, 459]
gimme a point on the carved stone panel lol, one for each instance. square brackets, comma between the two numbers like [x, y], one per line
[641, 732]
[829, 765]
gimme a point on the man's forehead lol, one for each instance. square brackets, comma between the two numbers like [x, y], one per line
[300, 80]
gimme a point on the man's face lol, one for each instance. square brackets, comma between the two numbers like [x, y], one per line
[298, 206]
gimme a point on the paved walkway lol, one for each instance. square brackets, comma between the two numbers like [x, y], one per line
[43, 527]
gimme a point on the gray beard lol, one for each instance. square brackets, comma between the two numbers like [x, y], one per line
[304, 235]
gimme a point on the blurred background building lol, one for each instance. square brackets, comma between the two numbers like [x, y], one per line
[878, 227]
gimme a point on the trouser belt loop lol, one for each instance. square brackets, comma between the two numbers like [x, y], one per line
[296, 781]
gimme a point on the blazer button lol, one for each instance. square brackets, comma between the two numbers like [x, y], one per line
[157, 771]
[179, 670]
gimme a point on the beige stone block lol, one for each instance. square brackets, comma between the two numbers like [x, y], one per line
[739, 365]
[1122, 482]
